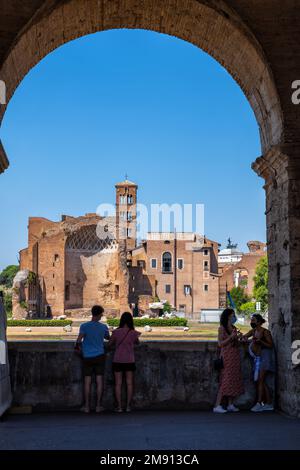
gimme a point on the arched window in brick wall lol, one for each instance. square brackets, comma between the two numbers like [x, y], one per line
[167, 262]
[86, 239]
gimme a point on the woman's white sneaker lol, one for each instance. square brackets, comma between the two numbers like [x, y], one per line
[268, 407]
[232, 409]
[219, 409]
[257, 408]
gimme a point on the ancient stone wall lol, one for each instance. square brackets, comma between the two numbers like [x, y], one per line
[178, 375]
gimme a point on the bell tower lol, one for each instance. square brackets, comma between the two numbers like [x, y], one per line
[126, 200]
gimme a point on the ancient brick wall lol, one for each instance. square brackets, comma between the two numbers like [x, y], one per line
[248, 263]
[92, 278]
[51, 268]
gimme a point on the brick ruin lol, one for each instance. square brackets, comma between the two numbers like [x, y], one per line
[77, 262]
[73, 264]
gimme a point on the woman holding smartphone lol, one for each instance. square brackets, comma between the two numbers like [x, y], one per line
[231, 380]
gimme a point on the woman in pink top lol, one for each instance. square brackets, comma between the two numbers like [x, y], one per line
[124, 339]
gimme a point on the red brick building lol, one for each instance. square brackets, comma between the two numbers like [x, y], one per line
[77, 262]
[184, 269]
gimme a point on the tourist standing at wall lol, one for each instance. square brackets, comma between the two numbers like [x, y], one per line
[231, 381]
[124, 340]
[91, 343]
[261, 350]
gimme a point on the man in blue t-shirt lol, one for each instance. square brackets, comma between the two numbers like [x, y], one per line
[91, 342]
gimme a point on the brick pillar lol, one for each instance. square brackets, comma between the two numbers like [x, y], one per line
[123, 277]
[282, 185]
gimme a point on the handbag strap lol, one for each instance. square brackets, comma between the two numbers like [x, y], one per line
[123, 339]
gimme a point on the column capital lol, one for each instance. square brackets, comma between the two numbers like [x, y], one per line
[271, 165]
[280, 160]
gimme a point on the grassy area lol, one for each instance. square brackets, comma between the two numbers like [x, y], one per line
[38, 323]
[196, 332]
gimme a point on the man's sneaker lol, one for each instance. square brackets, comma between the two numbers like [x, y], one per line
[268, 407]
[257, 408]
[99, 409]
[232, 409]
[118, 410]
[85, 409]
[219, 409]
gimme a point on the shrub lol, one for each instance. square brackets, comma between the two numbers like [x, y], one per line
[31, 278]
[167, 308]
[39, 322]
[151, 321]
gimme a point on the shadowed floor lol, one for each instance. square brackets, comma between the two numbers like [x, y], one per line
[150, 431]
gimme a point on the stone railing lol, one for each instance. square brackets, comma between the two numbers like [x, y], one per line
[170, 375]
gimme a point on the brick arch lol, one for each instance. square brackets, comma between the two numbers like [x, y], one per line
[214, 28]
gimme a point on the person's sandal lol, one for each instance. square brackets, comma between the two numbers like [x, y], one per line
[128, 409]
[118, 410]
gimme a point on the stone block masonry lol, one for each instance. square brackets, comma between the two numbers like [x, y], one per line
[170, 375]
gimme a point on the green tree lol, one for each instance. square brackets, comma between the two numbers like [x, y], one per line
[8, 274]
[7, 302]
[248, 308]
[260, 290]
[239, 297]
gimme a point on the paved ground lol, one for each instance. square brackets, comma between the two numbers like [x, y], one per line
[150, 431]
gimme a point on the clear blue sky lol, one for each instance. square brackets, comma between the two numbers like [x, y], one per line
[139, 102]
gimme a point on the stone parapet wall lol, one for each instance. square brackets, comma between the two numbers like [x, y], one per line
[170, 375]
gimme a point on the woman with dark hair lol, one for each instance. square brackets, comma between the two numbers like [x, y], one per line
[231, 380]
[124, 339]
[262, 352]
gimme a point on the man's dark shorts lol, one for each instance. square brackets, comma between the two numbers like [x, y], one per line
[93, 365]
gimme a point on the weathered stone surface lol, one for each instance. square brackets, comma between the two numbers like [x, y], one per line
[179, 375]
[283, 222]
[5, 388]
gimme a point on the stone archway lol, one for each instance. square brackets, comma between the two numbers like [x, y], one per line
[218, 29]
